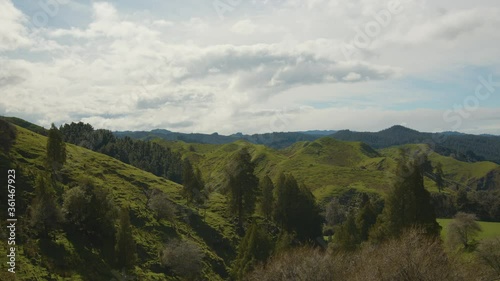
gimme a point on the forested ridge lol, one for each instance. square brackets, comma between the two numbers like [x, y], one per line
[100, 207]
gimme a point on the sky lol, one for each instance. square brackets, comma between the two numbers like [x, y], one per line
[253, 66]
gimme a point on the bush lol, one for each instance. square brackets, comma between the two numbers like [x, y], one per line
[413, 256]
[488, 252]
[162, 206]
[183, 257]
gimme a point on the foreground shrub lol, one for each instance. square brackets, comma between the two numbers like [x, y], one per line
[413, 256]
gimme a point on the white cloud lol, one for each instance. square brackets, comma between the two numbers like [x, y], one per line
[13, 34]
[244, 27]
[260, 66]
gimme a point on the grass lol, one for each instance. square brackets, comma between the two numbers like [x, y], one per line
[326, 166]
[127, 185]
[490, 229]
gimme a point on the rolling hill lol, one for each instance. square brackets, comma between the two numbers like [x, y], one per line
[73, 257]
[329, 167]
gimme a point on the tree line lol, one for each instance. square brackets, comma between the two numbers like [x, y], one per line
[145, 155]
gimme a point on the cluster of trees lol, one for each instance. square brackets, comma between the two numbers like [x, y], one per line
[484, 203]
[7, 135]
[145, 155]
[86, 209]
[407, 205]
[288, 207]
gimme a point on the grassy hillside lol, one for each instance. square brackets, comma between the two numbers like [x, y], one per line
[331, 167]
[490, 229]
[477, 175]
[42, 258]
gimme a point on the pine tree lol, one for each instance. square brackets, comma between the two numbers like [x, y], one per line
[438, 171]
[366, 218]
[267, 188]
[125, 249]
[242, 185]
[56, 149]
[255, 247]
[7, 135]
[347, 236]
[192, 182]
[45, 214]
[408, 204]
[296, 210]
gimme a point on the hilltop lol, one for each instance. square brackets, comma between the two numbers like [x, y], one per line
[464, 147]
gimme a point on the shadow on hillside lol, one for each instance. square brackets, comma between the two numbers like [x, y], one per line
[93, 258]
[215, 241]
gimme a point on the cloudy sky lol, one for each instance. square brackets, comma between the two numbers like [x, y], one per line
[253, 66]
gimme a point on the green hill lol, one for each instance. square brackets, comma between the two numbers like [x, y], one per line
[330, 167]
[73, 257]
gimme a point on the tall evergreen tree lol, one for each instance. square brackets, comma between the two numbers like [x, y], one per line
[255, 247]
[296, 210]
[56, 149]
[267, 188]
[7, 135]
[242, 185]
[192, 182]
[366, 218]
[438, 171]
[125, 248]
[45, 214]
[347, 236]
[408, 204]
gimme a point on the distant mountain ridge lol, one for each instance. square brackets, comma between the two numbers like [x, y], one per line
[463, 147]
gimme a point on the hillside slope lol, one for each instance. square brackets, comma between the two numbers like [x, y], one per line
[75, 258]
[329, 167]
[464, 147]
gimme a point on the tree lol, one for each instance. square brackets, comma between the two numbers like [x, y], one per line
[463, 230]
[462, 200]
[76, 203]
[45, 214]
[162, 206]
[408, 204]
[56, 149]
[296, 209]
[90, 209]
[185, 258]
[125, 249]
[488, 252]
[255, 247]
[7, 135]
[192, 183]
[366, 218]
[347, 236]
[438, 171]
[335, 213]
[242, 185]
[267, 188]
